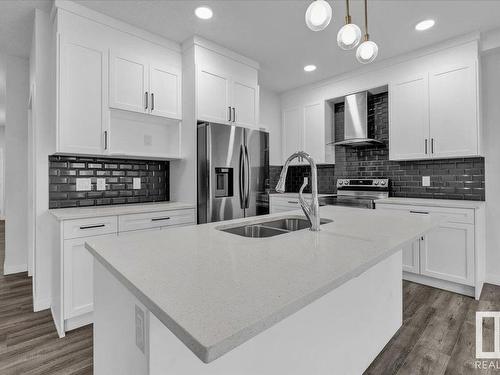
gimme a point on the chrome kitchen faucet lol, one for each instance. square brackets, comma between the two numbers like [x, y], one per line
[311, 211]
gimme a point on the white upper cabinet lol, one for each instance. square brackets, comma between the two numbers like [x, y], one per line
[165, 86]
[303, 129]
[213, 96]
[128, 83]
[82, 98]
[409, 119]
[227, 90]
[292, 132]
[139, 85]
[435, 114]
[245, 101]
[453, 111]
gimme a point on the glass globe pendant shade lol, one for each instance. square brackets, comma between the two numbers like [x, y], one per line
[367, 52]
[318, 15]
[349, 36]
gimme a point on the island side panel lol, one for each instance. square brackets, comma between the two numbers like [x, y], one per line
[117, 334]
[341, 333]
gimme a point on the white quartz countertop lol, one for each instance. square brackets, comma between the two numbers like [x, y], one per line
[115, 210]
[296, 195]
[215, 290]
[452, 203]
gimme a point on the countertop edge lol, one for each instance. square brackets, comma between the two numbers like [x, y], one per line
[208, 354]
[451, 203]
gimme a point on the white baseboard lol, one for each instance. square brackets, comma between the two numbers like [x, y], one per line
[40, 304]
[492, 279]
[9, 269]
[440, 284]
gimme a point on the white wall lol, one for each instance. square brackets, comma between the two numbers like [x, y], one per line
[491, 121]
[2, 171]
[16, 131]
[270, 118]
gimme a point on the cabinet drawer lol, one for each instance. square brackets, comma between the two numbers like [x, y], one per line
[95, 226]
[155, 220]
[451, 215]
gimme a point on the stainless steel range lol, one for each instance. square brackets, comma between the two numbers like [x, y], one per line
[359, 192]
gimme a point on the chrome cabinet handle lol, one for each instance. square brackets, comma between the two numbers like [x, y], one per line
[152, 101]
[83, 227]
[147, 97]
[105, 139]
[426, 146]
[247, 178]
[229, 113]
[234, 114]
[241, 177]
[432, 145]
[419, 212]
[292, 202]
[160, 218]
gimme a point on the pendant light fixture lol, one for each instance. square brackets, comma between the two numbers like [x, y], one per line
[368, 50]
[318, 15]
[349, 35]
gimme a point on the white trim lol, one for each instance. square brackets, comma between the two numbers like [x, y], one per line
[440, 284]
[211, 46]
[383, 64]
[10, 269]
[492, 279]
[124, 27]
[40, 304]
[60, 330]
[490, 40]
[78, 321]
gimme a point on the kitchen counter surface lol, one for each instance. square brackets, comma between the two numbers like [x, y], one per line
[453, 203]
[115, 210]
[215, 290]
[296, 195]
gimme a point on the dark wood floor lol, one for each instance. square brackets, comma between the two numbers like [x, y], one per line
[437, 336]
[29, 343]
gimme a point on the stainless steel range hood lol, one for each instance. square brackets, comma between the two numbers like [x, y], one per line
[356, 122]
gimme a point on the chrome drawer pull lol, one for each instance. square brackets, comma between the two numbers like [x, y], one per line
[292, 202]
[160, 218]
[419, 212]
[92, 226]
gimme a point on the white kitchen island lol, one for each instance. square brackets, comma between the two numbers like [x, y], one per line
[197, 300]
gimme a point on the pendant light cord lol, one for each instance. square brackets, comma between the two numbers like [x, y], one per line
[348, 16]
[366, 20]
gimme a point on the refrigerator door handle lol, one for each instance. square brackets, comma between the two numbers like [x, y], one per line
[242, 177]
[247, 178]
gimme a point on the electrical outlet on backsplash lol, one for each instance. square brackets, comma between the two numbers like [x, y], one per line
[458, 178]
[118, 187]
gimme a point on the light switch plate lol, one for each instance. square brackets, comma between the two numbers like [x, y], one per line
[83, 184]
[426, 180]
[101, 184]
[137, 183]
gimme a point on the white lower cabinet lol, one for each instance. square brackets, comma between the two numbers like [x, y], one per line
[450, 256]
[78, 276]
[76, 294]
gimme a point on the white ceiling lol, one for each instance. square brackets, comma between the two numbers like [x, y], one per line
[273, 32]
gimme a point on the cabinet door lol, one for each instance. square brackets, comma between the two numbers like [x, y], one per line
[411, 257]
[245, 101]
[165, 87]
[82, 98]
[409, 119]
[314, 131]
[128, 83]
[212, 96]
[78, 278]
[453, 111]
[448, 253]
[292, 128]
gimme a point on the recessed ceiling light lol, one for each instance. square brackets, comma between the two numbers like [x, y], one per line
[205, 13]
[310, 68]
[424, 25]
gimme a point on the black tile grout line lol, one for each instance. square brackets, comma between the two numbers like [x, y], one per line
[457, 178]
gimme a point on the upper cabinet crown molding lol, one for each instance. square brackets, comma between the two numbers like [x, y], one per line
[211, 46]
[90, 14]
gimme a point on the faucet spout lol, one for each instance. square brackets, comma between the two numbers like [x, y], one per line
[311, 211]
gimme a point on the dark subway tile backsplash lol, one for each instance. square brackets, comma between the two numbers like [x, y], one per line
[119, 175]
[459, 178]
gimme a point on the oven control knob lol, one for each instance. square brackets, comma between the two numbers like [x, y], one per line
[383, 182]
[375, 182]
[341, 183]
[346, 182]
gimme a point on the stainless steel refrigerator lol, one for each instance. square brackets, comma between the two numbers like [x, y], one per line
[233, 172]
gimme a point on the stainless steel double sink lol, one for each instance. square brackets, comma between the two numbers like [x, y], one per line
[271, 228]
